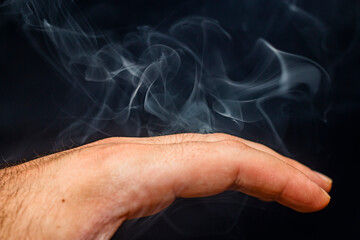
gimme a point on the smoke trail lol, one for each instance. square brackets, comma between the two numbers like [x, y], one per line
[183, 78]
[162, 82]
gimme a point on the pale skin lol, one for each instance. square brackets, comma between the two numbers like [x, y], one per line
[89, 191]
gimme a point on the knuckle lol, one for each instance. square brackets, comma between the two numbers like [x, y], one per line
[185, 137]
[234, 145]
[179, 138]
[185, 151]
[123, 148]
[279, 194]
[220, 136]
[194, 137]
[106, 141]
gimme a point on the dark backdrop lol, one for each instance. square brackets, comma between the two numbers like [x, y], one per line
[32, 92]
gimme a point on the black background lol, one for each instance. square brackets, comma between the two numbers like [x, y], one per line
[31, 93]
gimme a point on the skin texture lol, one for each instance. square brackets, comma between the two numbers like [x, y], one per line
[89, 191]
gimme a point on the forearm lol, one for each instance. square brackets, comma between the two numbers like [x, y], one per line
[56, 197]
[31, 199]
[15, 194]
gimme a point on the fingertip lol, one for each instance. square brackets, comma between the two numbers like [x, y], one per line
[320, 201]
[324, 201]
[326, 182]
[324, 177]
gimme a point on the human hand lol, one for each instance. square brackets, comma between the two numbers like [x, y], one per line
[89, 191]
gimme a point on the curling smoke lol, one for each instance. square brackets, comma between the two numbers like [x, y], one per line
[162, 82]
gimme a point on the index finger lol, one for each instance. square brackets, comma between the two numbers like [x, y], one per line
[209, 168]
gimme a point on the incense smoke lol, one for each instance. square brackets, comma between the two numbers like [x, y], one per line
[165, 81]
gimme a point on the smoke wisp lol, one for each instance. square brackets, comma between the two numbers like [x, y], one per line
[165, 81]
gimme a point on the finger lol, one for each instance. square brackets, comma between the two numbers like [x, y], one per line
[320, 179]
[323, 181]
[205, 169]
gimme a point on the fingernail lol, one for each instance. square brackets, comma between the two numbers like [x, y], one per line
[324, 177]
[325, 193]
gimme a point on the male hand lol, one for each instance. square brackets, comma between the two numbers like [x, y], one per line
[89, 191]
